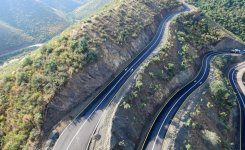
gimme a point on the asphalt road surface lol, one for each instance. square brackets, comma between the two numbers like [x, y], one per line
[241, 100]
[77, 135]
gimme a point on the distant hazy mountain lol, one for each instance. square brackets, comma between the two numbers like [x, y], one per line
[32, 17]
[33, 21]
[64, 5]
[88, 7]
[12, 38]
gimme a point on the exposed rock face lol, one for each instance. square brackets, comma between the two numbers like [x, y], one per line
[112, 57]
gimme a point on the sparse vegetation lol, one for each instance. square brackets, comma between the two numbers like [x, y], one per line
[170, 69]
[203, 33]
[219, 88]
[212, 137]
[188, 147]
[193, 31]
[121, 143]
[188, 122]
[215, 107]
[126, 105]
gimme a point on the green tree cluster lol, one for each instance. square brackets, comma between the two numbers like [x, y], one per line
[228, 13]
[195, 30]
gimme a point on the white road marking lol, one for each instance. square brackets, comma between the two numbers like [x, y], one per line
[99, 122]
[237, 98]
[161, 31]
[160, 34]
[187, 92]
[94, 111]
[94, 131]
[232, 77]
[178, 101]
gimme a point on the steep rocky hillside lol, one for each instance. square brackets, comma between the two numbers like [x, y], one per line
[176, 63]
[68, 70]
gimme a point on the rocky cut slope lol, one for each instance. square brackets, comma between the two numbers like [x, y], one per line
[71, 68]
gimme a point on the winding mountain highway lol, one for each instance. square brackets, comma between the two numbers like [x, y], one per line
[157, 132]
[241, 101]
[77, 135]
[160, 125]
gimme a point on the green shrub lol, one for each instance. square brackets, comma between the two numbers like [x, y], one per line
[27, 62]
[170, 67]
[52, 66]
[38, 63]
[43, 49]
[138, 84]
[74, 44]
[83, 45]
[49, 50]
[231, 19]
[7, 87]
[218, 88]
[121, 36]
[91, 57]
[21, 78]
[37, 81]
[188, 147]
[46, 49]
[188, 123]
